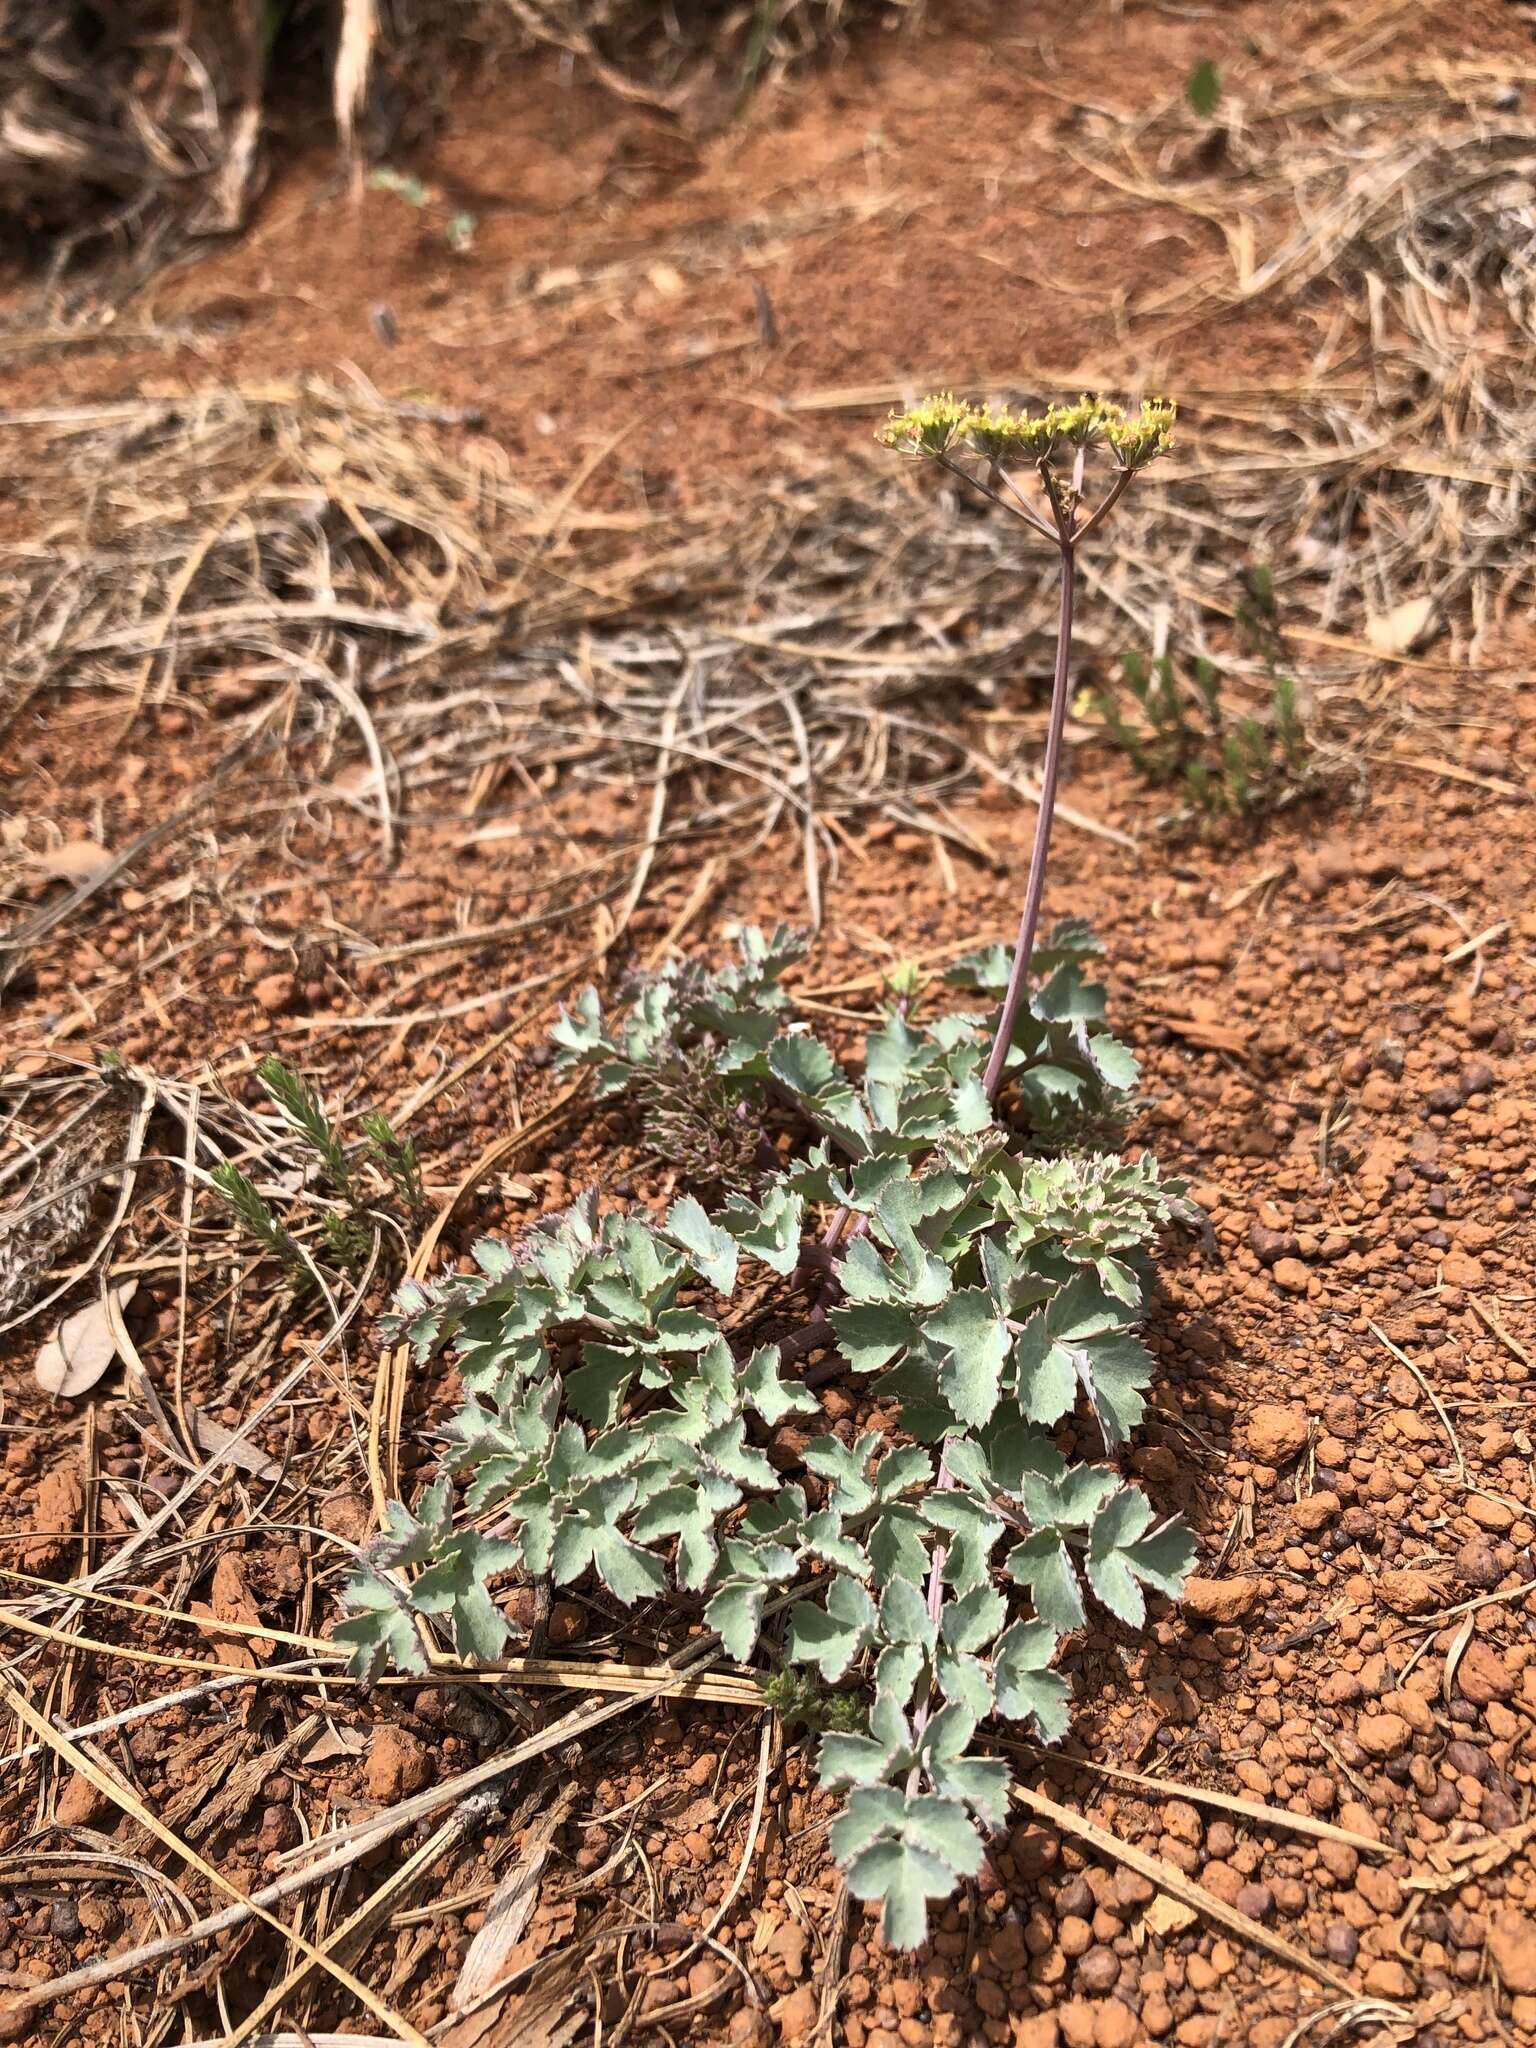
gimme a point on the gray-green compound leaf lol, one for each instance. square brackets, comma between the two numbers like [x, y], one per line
[870, 1334]
[736, 1612]
[830, 1637]
[858, 1760]
[456, 1587]
[770, 1229]
[1120, 1554]
[379, 1632]
[711, 1249]
[975, 1337]
[904, 1616]
[903, 1879]
[897, 1548]
[688, 1513]
[943, 1828]
[629, 1573]
[980, 1781]
[971, 1622]
[773, 1397]
[872, 1811]
[1043, 1564]
[1027, 1689]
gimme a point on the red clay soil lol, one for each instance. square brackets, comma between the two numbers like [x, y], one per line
[906, 215]
[1337, 1021]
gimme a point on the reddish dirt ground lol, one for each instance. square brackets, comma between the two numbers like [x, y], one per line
[907, 215]
[1337, 1020]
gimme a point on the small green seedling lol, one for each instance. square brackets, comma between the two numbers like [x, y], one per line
[802, 1703]
[459, 228]
[346, 1230]
[1203, 90]
[255, 1212]
[300, 1107]
[1172, 716]
[395, 1158]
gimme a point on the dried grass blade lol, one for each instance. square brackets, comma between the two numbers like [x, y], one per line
[364, 1919]
[1173, 1881]
[1228, 1802]
[128, 1800]
[354, 61]
[509, 1908]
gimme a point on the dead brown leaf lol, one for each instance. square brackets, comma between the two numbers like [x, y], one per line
[1405, 628]
[1203, 1026]
[232, 1601]
[231, 1650]
[333, 1741]
[211, 1436]
[76, 861]
[509, 1910]
[77, 1354]
[1458, 1863]
[1167, 1916]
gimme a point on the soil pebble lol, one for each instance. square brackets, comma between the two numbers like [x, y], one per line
[1277, 1432]
[398, 1765]
[1220, 1601]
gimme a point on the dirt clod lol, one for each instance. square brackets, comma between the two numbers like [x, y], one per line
[1482, 1676]
[1293, 1276]
[346, 1514]
[79, 1803]
[274, 993]
[1277, 1431]
[1413, 1592]
[567, 1623]
[398, 1764]
[1220, 1601]
[795, 2013]
[1512, 1951]
[60, 1508]
[1477, 1566]
[1382, 1735]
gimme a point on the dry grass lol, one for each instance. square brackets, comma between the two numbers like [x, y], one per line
[386, 581]
[139, 127]
[698, 59]
[108, 112]
[1392, 214]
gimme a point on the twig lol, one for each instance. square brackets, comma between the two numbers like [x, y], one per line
[1435, 1401]
[1167, 1877]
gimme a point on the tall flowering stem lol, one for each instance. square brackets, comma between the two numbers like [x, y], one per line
[976, 444]
[1050, 776]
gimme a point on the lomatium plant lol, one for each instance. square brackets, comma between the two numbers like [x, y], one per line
[909, 1582]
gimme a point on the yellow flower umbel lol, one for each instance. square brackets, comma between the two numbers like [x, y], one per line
[931, 428]
[1141, 440]
[1057, 444]
[1087, 423]
[943, 424]
[1000, 435]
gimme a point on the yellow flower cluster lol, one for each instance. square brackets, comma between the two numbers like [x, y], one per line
[935, 426]
[931, 428]
[1000, 434]
[1141, 440]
